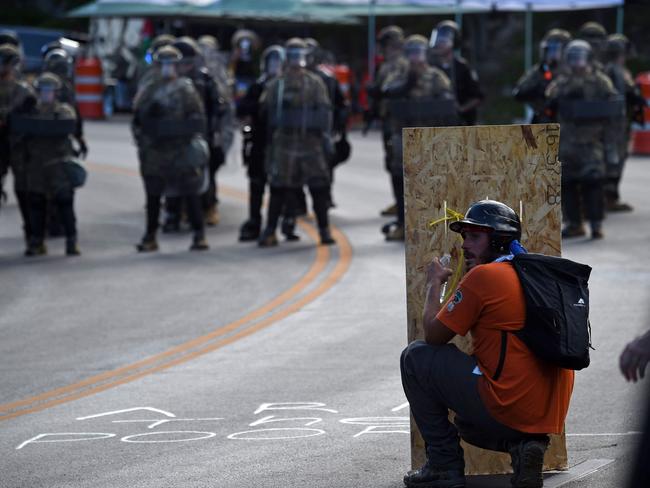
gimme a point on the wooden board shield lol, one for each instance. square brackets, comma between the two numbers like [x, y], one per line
[450, 168]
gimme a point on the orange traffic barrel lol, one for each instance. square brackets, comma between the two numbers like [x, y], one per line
[89, 89]
[343, 75]
[641, 133]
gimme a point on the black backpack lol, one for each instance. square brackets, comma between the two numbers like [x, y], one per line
[557, 327]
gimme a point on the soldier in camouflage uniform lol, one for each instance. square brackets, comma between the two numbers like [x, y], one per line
[408, 94]
[391, 44]
[216, 64]
[596, 35]
[150, 71]
[531, 87]
[616, 50]
[49, 152]
[168, 126]
[219, 129]
[15, 96]
[583, 98]
[298, 110]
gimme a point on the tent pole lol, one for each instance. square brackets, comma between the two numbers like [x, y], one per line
[619, 19]
[371, 40]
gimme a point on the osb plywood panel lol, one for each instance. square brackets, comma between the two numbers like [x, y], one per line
[456, 166]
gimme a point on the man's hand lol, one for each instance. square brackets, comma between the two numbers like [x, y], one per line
[635, 358]
[437, 274]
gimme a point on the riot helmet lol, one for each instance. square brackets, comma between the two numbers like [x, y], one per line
[595, 34]
[552, 46]
[167, 58]
[9, 37]
[296, 51]
[189, 50]
[390, 34]
[617, 47]
[47, 85]
[445, 36]
[245, 41]
[272, 60]
[577, 55]
[415, 48]
[500, 220]
[9, 58]
[208, 42]
[313, 51]
[159, 41]
[59, 62]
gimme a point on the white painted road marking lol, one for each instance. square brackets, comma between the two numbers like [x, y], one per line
[77, 437]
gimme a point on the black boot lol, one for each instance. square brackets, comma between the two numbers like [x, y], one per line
[199, 243]
[148, 244]
[36, 247]
[268, 239]
[528, 461]
[250, 230]
[71, 247]
[326, 238]
[429, 476]
[289, 229]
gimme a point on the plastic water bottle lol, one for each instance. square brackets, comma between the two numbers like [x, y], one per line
[445, 261]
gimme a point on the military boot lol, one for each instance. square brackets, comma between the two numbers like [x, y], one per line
[71, 247]
[326, 238]
[212, 217]
[597, 230]
[528, 461]
[36, 248]
[267, 239]
[389, 211]
[430, 476]
[573, 230]
[148, 244]
[250, 230]
[199, 243]
[289, 229]
[395, 232]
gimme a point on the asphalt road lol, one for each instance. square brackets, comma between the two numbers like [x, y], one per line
[245, 367]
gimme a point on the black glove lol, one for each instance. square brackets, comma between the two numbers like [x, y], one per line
[83, 149]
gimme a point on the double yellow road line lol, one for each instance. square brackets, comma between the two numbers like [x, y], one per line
[322, 276]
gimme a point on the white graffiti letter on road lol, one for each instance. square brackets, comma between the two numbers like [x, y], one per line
[278, 434]
[126, 410]
[380, 425]
[69, 437]
[195, 436]
[293, 406]
[271, 418]
[155, 423]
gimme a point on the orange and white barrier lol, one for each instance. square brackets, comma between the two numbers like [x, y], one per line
[89, 88]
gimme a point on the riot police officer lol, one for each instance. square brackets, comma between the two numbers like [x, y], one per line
[15, 96]
[169, 127]
[150, 70]
[464, 80]
[420, 97]
[48, 130]
[617, 48]
[586, 103]
[391, 44]
[299, 116]
[242, 66]
[596, 35]
[531, 87]
[255, 140]
[218, 132]
[216, 64]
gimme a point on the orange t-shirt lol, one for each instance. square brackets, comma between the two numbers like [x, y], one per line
[530, 395]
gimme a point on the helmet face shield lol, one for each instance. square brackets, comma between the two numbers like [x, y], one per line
[273, 65]
[416, 53]
[553, 52]
[168, 69]
[577, 58]
[245, 49]
[442, 40]
[46, 94]
[297, 56]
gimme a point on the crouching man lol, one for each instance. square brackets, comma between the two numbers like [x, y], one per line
[505, 398]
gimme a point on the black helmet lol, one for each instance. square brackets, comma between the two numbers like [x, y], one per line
[187, 46]
[9, 55]
[9, 37]
[58, 61]
[503, 222]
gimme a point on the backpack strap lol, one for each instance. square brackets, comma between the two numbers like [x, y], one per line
[502, 355]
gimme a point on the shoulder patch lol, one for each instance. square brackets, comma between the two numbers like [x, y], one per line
[458, 297]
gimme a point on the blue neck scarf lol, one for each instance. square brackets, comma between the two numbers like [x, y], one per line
[515, 248]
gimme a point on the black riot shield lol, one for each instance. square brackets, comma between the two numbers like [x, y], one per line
[41, 127]
[591, 109]
[423, 112]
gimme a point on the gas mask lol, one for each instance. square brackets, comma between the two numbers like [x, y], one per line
[416, 53]
[245, 50]
[297, 57]
[168, 70]
[47, 95]
[553, 52]
[273, 66]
